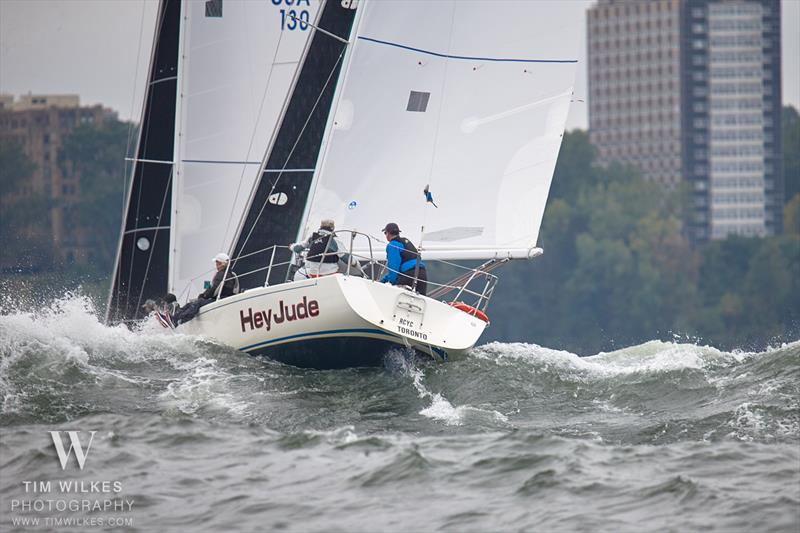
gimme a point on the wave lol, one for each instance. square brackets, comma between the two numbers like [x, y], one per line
[61, 362]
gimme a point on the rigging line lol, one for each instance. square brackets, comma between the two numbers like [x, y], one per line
[252, 139]
[453, 284]
[291, 152]
[438, 122]
[326, 32]
[155, 239]
[143, 138]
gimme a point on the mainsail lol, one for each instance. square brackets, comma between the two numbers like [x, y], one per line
[466, 99]
[140, 271]
[237, 64]
[279, 200]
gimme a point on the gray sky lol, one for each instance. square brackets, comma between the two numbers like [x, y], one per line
[100, 49]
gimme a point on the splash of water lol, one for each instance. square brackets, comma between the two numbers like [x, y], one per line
[60, 361]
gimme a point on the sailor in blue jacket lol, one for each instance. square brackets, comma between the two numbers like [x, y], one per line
[401, 261]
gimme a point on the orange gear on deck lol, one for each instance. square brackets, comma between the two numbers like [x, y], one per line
[461, 306]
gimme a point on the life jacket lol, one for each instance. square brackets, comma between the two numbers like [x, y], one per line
[408, 255]
[323, 248]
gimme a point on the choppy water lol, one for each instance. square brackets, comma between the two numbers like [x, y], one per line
[514, 437]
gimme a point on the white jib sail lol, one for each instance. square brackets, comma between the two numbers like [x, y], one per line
[238, 62]
[469, 98]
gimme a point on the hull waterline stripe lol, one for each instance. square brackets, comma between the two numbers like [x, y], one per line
[320, 333]
[468, 58]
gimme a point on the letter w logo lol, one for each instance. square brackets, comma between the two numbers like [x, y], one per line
[74, 444]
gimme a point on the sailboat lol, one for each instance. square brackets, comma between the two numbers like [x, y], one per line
[384, 106]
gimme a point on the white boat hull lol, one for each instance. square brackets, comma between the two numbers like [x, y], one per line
[336, 321]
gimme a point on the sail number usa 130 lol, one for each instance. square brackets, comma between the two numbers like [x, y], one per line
[293, 14]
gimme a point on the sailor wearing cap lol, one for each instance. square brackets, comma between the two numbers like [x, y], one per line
[224, 284]
[231, 281]
[403, 261]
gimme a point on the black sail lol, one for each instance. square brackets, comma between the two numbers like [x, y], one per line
[294, 152]
[141, 269]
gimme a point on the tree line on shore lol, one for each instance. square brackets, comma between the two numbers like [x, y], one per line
[617, 270]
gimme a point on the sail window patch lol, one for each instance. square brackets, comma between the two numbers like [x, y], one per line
[418, 101]
[143, 243]
[214, 8]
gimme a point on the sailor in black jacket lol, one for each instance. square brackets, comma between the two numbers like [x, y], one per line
[231, 285]
[228, 288]
[323, 255]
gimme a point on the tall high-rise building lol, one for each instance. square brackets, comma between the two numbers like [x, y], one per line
[39, 124]
[690, 91]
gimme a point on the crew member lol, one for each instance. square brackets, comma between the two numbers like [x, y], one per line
[403, 261]
[324, 253]
[223, 285]
[231, 281]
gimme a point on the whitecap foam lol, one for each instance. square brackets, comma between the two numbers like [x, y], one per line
[51, 342]
[747, 422]
[203, 388]
[440, 407]
[648, 358]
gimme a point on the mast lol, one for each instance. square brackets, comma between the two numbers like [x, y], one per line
[141, 266]
[278, 202]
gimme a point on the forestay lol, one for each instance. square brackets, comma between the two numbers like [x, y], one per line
[470, 98]
[237, 65]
